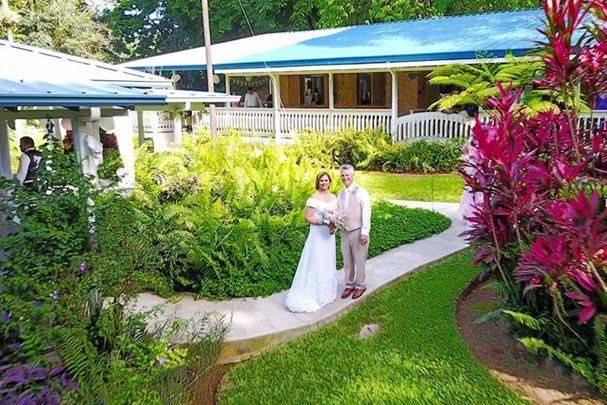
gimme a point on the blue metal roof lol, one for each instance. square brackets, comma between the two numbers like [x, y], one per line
[15, 93]
[31, 76]
[436, 39]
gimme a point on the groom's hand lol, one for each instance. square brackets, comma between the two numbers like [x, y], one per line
[332, 227]
[364, 239]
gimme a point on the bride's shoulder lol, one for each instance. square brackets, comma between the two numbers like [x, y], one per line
[312, 201]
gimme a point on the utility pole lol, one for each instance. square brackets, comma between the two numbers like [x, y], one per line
[5, 11]
[206, 30]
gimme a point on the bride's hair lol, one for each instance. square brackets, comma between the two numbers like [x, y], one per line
[320, 176]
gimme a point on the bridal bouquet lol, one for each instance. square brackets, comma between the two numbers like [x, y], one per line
[333, 217]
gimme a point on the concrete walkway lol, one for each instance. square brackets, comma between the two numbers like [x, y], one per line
[260, 323]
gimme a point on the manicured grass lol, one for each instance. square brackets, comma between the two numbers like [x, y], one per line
[417, 356]
[418, 187]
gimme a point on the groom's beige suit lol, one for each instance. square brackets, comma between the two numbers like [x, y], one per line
[354, 204]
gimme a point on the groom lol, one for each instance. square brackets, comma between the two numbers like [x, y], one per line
[354, 204]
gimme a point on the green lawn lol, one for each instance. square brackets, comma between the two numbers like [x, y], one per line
[418, 187]
[417, 356]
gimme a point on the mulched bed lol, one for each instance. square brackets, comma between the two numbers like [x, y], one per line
[542, 380]
[205, 390]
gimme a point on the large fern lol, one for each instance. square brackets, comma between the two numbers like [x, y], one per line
[476, 83]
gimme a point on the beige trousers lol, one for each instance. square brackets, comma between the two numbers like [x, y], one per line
[355, 258]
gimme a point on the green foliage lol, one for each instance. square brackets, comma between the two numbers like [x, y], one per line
[227, 215]
[69, 269]
[580, 364]
[477, 83]
[66, 26]
[348, 146]
[418, 355]
[422, 156]
[526, 320]
[372, 149]
[121, 227]
[109, 167]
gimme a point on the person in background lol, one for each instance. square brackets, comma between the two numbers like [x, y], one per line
[252, 99]
[28, 161]
[270, 101]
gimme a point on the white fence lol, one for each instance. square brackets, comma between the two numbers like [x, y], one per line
[262, 122]
[436, 125]
[433, 125]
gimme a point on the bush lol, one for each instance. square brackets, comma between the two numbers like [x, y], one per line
[372, 150]
[111, 163]
[65, 332]
[541, 225]
[357, 148]
[421, 156]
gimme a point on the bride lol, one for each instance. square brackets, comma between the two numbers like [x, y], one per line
[314, 284]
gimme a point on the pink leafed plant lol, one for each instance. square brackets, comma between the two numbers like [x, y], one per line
[541, 224]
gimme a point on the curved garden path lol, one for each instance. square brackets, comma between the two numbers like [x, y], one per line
[260, 323]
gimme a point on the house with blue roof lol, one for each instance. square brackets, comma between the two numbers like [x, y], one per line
[360, 76]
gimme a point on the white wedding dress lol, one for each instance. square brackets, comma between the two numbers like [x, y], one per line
[314, 284]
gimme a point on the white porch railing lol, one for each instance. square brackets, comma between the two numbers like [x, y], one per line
[261, 121]
[596, 119]
[154, 122]
[433, 125]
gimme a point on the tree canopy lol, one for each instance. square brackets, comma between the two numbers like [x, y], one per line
[63, 25]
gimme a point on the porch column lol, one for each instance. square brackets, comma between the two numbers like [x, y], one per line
[331, 101]
[177, 130]
[228, 87]
[140, 127]
[275, 79]
[394, 104]
[123, 128]
[5, 152]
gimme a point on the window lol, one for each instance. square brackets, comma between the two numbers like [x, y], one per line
[371, 89]
[312, 90]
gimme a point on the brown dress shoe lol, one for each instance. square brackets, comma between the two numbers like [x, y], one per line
[358, 293]
[347, 292]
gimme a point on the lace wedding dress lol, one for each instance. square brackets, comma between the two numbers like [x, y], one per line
[314, 284]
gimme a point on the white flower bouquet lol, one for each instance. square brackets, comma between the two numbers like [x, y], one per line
[333, 217]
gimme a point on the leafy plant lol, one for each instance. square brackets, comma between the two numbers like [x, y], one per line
[109, 167]
[541, 225]
[476, 84]
[227, 216]
[66, 333]
[421, 156]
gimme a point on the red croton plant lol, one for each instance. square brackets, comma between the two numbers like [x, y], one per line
[541, 225]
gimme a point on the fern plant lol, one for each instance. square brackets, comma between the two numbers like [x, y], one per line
[477, 83]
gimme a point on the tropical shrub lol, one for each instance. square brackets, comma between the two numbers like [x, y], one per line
[108, 169]
[227, 215]
[65, 332]
[421, 156]
[347, 146]
[373, 150]
[541, 226]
